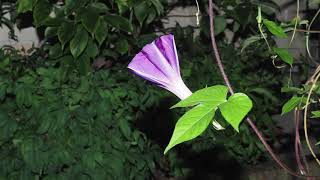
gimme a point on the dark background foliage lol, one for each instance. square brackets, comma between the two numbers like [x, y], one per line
[71, 110]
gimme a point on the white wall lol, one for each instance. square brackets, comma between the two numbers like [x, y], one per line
[26, 37]
[288, 13]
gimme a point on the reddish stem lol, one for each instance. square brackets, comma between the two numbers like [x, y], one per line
[297, 144]
[227, 82]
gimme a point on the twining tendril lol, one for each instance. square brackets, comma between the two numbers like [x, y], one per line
[198, 13]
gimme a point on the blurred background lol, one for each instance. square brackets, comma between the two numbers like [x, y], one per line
[70, 109]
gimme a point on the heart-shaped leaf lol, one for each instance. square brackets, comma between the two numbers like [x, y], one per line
[235, 109]
[213, 95]
[191, 124]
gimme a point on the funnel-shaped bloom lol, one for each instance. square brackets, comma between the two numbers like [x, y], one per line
[158, 62]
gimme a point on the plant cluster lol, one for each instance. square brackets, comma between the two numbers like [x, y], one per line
[70, 109]
[56, 124]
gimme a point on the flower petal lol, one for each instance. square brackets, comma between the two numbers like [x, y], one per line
[179, 89]
[158, 63]
[167, 46]
[154, 55]
[141, 66]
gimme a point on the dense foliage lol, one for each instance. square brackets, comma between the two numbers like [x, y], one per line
[71, 110]
[59, 118]
[56, 124]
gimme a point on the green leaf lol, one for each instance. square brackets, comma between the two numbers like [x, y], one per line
[7, 126]
[125, 128]
[101, 30]
[191, 124]
[72, 5]
[292, 90]
[23, 95]
[274, 28]
[31, 153]
[41, 12]
[122, 5]
[83, 63]
[60, 118]
[66, 32]
[213, 95]
[151, 15]
[250, 41]
[24, 5]
[220, 25]
[45, 125]
[100, 7]
[3, 90]
[284, 55]
[235, 109]
[92, 49]
[4, 63]
[119, 22]
[51, 32]
[79, 42]
[55, 51]
[140, 11]
[315, 114]
[90, 18]
[291, 104]
[122, 46]
[158, 6]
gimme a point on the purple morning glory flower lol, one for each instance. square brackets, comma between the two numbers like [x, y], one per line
[158, 62]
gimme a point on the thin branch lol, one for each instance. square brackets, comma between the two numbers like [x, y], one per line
[313, 19]
[215, 49]
[308, 35]
[313, 81]
[296, 23]
[297, 144]
[181, 16]
[259, 19]
[308, 31]
[227, 82]
[170, 29]
[198, 13]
